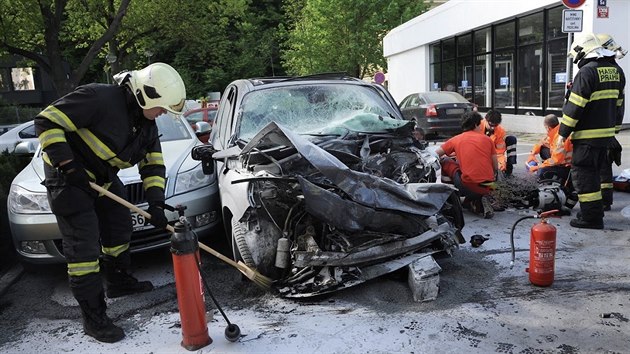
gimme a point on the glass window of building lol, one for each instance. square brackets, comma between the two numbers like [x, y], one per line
[559, 68]
[483, 40]
[530, 29]
[448, 49]
[464, 45]
[483, 80]
[465, 77]
[435, 67]
[449, 76]
[554, 24]
[482, 88]
[504, 35]
[530, 59]
[435, 53]
[464, 66]
[530, 76]
[504, 79]
[435, 77]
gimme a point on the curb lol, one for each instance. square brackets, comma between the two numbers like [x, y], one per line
[10, 277]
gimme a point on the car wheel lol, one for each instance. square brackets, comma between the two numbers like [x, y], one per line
[240, 249]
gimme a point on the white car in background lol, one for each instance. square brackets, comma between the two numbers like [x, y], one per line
[20, 133]
[37, 238]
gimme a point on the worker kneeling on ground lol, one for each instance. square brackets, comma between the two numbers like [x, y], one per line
[556, 159]
[88, 136]
[474, 171]
[505, 145]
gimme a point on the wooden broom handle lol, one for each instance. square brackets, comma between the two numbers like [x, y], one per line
[170, 228]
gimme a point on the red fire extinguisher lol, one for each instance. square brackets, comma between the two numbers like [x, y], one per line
[192, 308]
[542, 249]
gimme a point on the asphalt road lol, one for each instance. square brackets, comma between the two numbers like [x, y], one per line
[484, 305]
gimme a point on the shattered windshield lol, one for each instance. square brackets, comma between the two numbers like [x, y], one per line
[312, 109]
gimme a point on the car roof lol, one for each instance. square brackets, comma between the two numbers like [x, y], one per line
[266, 82]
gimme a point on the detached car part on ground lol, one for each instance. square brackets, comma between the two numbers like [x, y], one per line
[37, 238]
[321, 204]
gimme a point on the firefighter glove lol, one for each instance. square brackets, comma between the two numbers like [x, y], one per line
[158, 219]
[614, 151]
[75, 175]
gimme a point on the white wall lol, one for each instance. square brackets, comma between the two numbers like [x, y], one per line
[412, 75]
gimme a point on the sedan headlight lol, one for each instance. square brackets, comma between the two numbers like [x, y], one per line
[191, 179]
[23, 201]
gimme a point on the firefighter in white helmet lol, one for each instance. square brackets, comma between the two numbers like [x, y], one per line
[591, 114]
[87, 136]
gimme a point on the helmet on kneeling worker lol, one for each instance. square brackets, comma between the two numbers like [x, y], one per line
[157, 85]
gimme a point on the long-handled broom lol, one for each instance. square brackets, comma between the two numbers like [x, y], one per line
[259, 279]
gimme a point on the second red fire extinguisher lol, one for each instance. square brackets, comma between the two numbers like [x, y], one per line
[542, 252]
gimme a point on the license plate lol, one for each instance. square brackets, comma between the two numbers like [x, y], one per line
[455, 111]
[139, 222]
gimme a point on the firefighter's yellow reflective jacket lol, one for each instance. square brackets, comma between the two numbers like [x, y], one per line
[593, 112]
[103, 128]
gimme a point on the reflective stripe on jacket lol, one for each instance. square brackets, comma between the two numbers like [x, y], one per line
[104, 129]
[594, 109]
[560, 156]
[498, 139]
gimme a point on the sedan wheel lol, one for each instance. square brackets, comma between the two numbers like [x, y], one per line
[240, 250]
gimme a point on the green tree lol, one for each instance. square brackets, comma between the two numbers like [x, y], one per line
[221, 41]
[42, 30]
[346, 36]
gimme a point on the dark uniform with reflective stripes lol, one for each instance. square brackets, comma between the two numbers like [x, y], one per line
[593, 114]
[102, 128]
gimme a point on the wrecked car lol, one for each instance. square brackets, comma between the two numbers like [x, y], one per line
[321, 184]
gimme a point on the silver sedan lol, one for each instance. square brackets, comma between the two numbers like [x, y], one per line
[37, 238]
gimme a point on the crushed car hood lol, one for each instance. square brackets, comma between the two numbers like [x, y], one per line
[365, 189]
[345, 199]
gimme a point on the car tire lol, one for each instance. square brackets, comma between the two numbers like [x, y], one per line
[240, 249]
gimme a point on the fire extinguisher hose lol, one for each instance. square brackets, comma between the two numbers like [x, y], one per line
[512, 236]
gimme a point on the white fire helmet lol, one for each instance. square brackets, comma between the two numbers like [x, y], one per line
[609, 43]
[157, 85]
[588, 45]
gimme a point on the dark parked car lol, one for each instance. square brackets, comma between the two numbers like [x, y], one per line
[322, 187]
[437, 112]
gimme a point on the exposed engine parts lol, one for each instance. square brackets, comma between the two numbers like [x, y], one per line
[332, 212]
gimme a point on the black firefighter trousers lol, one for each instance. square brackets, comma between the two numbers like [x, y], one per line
[588, 166]
[88, 222]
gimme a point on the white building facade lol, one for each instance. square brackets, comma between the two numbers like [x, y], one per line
[509, 55]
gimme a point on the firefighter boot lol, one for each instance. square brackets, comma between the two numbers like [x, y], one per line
[584, 224]
[118, 281]
[95, 321]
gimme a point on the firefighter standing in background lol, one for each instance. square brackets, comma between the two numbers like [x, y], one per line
[88, 136]
[592, 114]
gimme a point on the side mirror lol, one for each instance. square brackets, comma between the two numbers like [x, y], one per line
[202, 128]
[25, 148]
[204, 154]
